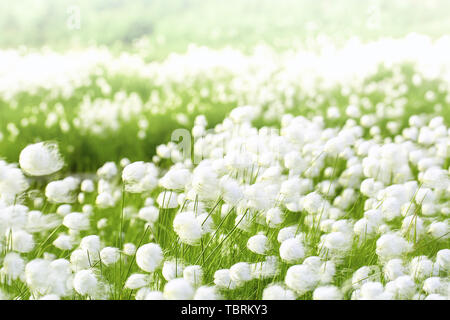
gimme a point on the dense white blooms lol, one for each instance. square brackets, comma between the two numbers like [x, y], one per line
[63, 242]
[129, 249]
[393, 269]
[391, 246]
[108, 171]
[41, 159]
[402, 287]
[345, 198]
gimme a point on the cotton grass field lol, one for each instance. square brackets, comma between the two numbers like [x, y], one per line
[309, 172]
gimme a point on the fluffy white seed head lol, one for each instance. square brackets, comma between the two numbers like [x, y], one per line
[301, 278]
[193, 274]
[292, 250]
[277, 292]
[178, 289]
[41, 159]
[85, 282]
[258, 244]
[149, 257]
[327, 293]
[187, 227]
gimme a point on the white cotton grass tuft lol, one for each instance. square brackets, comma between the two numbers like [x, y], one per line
[178, 289]
[207, 293]
[136, 281]
[41, 159]
[109, 255]
[292, 250]
[240, 272]
[12, 180]
[327, 293]
[277, 292]
[222, 279]
[258, 244]
[140, 177]
[172, 269]
[187, 227]
[193, 274]
[85, 282]
[76, 221]
[62, 191]
[301, 278]
[149, 257]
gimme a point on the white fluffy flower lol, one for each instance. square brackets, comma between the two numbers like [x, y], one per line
[301, 278]
[172, 269]
[149, 257]
[63, 242]
[13, 265]
[443, 259]
[391, 246]
[187, 227]
[136, 281]
[149, 214]
[222, 279]
[85, 282]
[109, 255]
[140, 177]
[41, 159]
[258, 244]
[327, 293]
[167, 200]
[62, 191]
[175, 179]
[193, 274]
[108, 171]
[277, 292]
[178, 289]
[240, 272]
[207, 293]
[12, 180]
[292, 250]
[402, 287]
[76, 221]
[393, 269]
[22, 241]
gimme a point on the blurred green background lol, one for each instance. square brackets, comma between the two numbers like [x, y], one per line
[171, 25]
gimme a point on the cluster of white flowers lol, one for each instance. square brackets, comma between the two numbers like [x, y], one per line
[309, 208]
